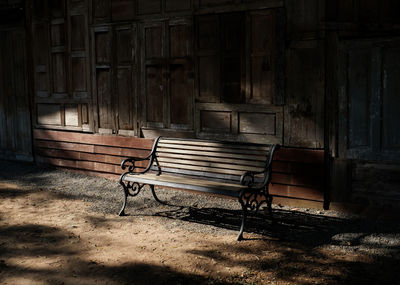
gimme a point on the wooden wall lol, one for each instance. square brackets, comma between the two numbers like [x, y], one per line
[92, 154]
[240, 70]
[297, 173]
[149, 68]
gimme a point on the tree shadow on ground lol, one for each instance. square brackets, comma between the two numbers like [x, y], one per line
[62, 250]
[286, 261]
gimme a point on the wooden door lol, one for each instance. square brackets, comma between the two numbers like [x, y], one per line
[239, 70]
[125, 78]
[61, 65]
[115, 78]
[261, 52]
[15, 123]
[167, 75]
[102, 83]
[369, 100]
[153, 72]
[180, 75]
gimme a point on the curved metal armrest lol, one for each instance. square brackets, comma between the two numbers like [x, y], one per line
[132, 160]
[274, 148]
[247, 178]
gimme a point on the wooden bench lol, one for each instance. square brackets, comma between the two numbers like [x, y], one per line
[240, 170]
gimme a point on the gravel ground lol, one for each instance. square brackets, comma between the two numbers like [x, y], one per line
[200, 213]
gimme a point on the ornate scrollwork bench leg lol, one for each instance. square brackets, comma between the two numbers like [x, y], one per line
[156, 197]
[130, 189]
[251, 200]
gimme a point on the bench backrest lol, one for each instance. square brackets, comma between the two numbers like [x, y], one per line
[211, 159]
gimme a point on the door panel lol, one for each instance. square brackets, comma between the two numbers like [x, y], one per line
[126, 98]
[181, 79]
[232, 54]
[125, 77]
[359, 94]
[181, 95]
[154, 95]
[115, 49]
[59, 73]
[153, 40]
[153, 66]
[104, 99]
[262, 57]
[369, 100]
[391, 99]
[15, 114]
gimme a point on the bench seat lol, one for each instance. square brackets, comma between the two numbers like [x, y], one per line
[189, 183]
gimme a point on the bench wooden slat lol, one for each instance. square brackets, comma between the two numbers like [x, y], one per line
[213, 154]
[214, 149]
[199, 174]
[196, 158]
[216, 144]
[210, 186]
[201, 168]
[204, 174]
[216, 164]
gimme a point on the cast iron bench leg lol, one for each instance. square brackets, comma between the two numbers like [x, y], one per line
[244, 216]
[122, 212]
[155, 195]
[269, 204]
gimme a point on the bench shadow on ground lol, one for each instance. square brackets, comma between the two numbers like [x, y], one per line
[298, 237]
[284, 225]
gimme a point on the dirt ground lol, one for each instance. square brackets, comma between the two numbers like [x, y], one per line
[59, 228]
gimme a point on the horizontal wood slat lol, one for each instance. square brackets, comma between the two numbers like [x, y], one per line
[298, 192]
[292, 179]
[226, 149]
[215, 144]
[201, 169]
[300, 155]
[123, 152]
[215, 176]
[213, 159]
[213, 154]
[115, 141]
[210, 164]
[300, 169]
[95, 157]
[188, 181]
[85, 165]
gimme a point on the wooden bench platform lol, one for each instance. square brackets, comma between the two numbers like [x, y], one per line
[240, 170]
